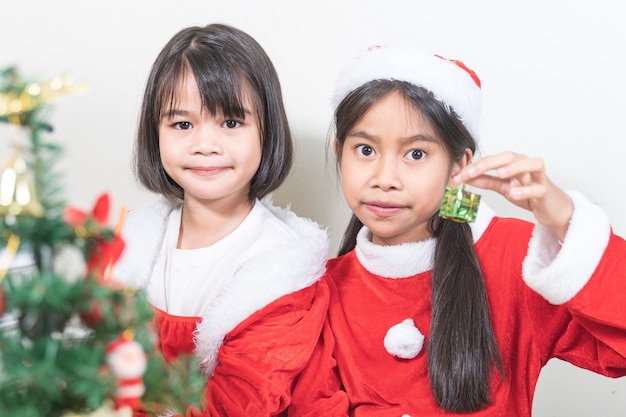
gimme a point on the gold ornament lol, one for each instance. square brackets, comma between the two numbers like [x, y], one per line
[17, 192]
[8, 253]
[30, 96]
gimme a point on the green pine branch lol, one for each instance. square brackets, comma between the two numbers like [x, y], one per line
[53, 353]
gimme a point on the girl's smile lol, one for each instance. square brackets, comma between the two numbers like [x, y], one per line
[207, 171]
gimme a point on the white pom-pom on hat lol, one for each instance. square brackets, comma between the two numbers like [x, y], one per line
[450, 81]
[404, 340]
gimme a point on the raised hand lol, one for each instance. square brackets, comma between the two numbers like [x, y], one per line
[523, 181]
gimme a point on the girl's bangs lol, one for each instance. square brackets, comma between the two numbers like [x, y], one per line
[221, 85]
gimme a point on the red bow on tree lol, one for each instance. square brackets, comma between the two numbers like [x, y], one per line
[104, 246]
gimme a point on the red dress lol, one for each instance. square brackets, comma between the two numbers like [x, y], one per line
[259, 323]
[175, 333]
[260, 359]
[352, 373]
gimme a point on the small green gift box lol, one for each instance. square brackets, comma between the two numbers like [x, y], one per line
[459, 205]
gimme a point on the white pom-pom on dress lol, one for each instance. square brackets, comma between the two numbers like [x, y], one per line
[404, 340]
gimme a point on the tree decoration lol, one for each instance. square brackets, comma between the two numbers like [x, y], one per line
[30, 171]
[105, 251]
[68, 341]
[128, 362]
[17, 191]
[20, 98]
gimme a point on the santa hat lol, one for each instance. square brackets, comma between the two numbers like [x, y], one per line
[452, 83]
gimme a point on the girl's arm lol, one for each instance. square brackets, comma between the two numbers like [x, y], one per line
[318, 391]
[573, 260]
[274, 363]
[264, 355]
[584, 322]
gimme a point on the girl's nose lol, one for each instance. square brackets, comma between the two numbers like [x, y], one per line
[386, 175]
[206, 141]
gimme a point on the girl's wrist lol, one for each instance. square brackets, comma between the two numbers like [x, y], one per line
[562, 216]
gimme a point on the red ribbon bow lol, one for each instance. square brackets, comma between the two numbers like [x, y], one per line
[104, 252]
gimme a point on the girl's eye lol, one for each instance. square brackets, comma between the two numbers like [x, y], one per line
[416, 154]
[231, 124]
[182, 125]
[365, 150]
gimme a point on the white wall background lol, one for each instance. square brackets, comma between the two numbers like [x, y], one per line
[552, 75]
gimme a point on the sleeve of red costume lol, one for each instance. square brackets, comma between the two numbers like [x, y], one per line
[318, 391]
[263, 356]
[585, 285]
[596, 336]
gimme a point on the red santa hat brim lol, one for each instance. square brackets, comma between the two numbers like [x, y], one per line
[451, 82]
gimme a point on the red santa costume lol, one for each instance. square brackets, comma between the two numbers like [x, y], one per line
[247, 305]
[548, 299]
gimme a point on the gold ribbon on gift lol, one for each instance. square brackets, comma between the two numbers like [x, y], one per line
[459, 205]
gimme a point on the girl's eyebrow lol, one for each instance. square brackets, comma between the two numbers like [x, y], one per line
[174, 112]
[180, 112]
[405, 140]
[246, 112]
[360, 134]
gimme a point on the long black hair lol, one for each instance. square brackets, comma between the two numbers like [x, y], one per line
[462, 348]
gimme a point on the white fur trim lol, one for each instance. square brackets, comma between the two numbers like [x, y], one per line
[144, 227]
[394, 261]
[295, 264]
[451, 85]
[404, 340]
[483, 218]
[292, 266]
[409, 259]
[559, 273]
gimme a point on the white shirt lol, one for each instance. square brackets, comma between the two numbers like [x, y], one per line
[272, 253]
[185, 282]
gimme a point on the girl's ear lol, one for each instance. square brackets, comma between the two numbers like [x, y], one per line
[464, 161]
[337, 152]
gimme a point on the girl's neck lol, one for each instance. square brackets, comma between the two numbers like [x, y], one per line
[202, 224]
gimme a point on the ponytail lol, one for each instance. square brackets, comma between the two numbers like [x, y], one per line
[349, 237]
[462, 350]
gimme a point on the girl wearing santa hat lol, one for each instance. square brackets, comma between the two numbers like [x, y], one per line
[436, 307]
[232, 278]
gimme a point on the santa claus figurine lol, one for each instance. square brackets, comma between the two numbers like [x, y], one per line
[128, 362]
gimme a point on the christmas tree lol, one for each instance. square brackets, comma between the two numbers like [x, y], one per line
[73, 342]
